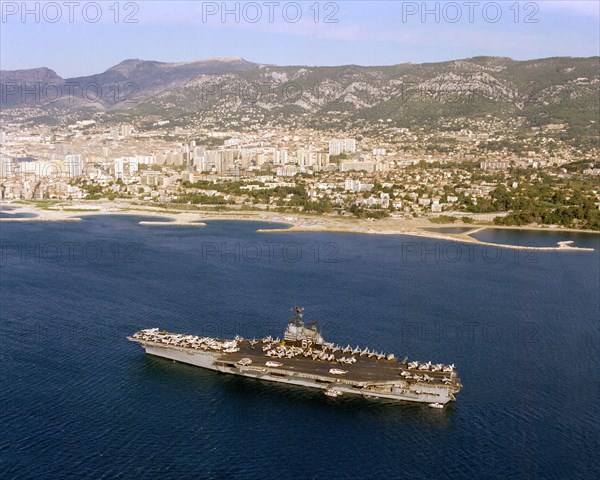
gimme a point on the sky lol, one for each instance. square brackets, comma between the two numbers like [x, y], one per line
[85, 37]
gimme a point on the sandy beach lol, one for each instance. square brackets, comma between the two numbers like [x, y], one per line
[419, 227]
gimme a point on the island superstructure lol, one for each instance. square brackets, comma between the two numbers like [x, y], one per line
[304, 358]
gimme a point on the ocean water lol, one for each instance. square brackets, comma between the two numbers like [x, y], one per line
[450, 230]
[80, 401]
[538, 238]
[6, 213]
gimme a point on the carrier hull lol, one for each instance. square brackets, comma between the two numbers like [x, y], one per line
[300, 362]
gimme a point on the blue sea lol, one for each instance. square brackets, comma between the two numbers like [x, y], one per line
[80, 401]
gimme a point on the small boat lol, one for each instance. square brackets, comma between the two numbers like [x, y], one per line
[332, 392]
[337, 371]
[436, 405]
[273, 364]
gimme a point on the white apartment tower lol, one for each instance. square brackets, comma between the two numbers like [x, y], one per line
[346, 145]
[74, 164]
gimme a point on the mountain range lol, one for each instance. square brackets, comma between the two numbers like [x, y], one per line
[550, 90]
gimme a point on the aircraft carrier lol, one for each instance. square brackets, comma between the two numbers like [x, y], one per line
[303, 358]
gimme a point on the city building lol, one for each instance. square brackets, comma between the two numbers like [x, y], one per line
[74, 166]
[346, 145]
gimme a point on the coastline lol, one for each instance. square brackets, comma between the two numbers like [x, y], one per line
[420, 227]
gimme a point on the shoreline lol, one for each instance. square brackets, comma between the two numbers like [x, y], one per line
[420, 227]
